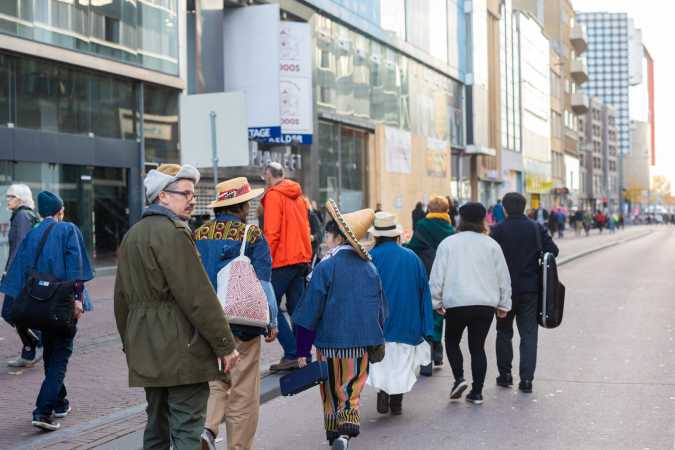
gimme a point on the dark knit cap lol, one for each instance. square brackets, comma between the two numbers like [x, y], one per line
[48, 203]
[472, 212]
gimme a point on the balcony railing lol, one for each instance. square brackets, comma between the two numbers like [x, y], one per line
[580, 103]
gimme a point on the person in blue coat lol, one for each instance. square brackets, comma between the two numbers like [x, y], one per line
[342, 314]
[409, 321]
[65, 258]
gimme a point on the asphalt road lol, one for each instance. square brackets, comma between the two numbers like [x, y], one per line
[605, 379]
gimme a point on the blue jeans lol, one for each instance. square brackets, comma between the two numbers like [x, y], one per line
[52, 396]
[289, 281]
[31, 339]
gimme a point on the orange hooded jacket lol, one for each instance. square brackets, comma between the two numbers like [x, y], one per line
[286, 225]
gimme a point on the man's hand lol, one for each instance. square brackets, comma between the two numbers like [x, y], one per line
[227, 362]
[441, 311]
[79, 309]
[501, 313]
[272, 335]
[302, 362]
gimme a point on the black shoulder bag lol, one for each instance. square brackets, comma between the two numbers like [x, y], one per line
[45, 303]
[551, 300]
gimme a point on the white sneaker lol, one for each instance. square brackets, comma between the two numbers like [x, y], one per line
[46, 423]
[208, 440]
[61, 415]
[19, 361]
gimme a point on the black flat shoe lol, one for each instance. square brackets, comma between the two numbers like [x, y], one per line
[525, 387]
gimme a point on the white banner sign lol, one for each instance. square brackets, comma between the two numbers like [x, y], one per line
[398, 150]
[295, 79]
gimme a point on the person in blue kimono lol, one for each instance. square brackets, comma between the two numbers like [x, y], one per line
[409, 321]
[64, 257]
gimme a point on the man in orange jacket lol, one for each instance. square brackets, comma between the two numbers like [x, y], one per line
[286, 228]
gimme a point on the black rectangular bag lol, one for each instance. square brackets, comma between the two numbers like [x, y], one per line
[551, 291]
[45, 303]
[303, 379]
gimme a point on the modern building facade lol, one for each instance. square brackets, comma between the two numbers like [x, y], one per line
[388, 96]
[599, 165]
[88, 96]
[535, 91]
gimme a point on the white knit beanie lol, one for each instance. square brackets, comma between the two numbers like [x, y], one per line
[23, 193]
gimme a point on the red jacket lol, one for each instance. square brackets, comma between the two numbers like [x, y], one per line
[287, 225]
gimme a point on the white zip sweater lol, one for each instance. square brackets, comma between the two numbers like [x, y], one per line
[470, 270]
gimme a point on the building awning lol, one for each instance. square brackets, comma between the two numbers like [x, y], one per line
[480, 150]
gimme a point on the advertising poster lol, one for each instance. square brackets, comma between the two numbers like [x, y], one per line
[437, 158]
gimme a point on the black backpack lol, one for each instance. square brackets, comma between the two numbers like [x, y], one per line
[45, 303]
[551, 291]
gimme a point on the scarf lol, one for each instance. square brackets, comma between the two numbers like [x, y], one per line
[435, 215]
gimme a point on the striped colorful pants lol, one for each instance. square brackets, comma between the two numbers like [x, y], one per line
[341, 395]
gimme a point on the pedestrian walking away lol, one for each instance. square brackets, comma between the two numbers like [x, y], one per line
[469, 283]
[219, 242]
[288, 234]
[55, 249]
[173, 328]
[342, 314]
[431, 230]
[22, 221]
[409, 316]
[518, 240]
[498, 212]
[417, 214]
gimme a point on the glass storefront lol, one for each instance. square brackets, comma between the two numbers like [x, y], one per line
[342, 163]
[95, 199]
[42, 95]
[144, 33]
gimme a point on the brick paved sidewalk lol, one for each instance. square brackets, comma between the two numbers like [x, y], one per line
[105, 410]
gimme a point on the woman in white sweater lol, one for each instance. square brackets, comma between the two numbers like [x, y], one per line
[469, 281]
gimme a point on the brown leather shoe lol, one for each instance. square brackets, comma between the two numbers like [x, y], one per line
[285, 364]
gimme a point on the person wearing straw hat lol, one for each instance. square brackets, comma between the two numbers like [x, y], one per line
[342, 314]
[219, 242]
[409, 319]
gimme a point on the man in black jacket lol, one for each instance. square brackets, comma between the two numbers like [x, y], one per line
[518, 240]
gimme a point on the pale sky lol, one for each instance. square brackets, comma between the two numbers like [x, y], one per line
[655, 18]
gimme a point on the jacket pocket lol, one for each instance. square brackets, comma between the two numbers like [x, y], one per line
[151, 338]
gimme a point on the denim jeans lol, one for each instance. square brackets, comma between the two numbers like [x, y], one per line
[289, 281]
[52, 396]
[31, 339]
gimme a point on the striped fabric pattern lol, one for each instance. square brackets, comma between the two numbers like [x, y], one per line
[341, 394]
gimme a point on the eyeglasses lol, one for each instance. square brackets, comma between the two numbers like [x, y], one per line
[189, 195]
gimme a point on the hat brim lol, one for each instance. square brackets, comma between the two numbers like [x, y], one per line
[344, 227]
[386, 233]
[236, 200]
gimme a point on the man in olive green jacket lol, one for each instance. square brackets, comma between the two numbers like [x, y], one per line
[173, 329]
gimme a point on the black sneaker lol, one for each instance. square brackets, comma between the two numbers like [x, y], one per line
[45, 423]
[475, 397]
[505, 381]
[458, 389]
[396, 404]
[525, 387]
[382, 402]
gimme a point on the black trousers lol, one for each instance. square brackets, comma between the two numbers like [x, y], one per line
[524, 310]
[478, 320]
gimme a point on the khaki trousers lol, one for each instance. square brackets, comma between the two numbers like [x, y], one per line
[238, 403]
